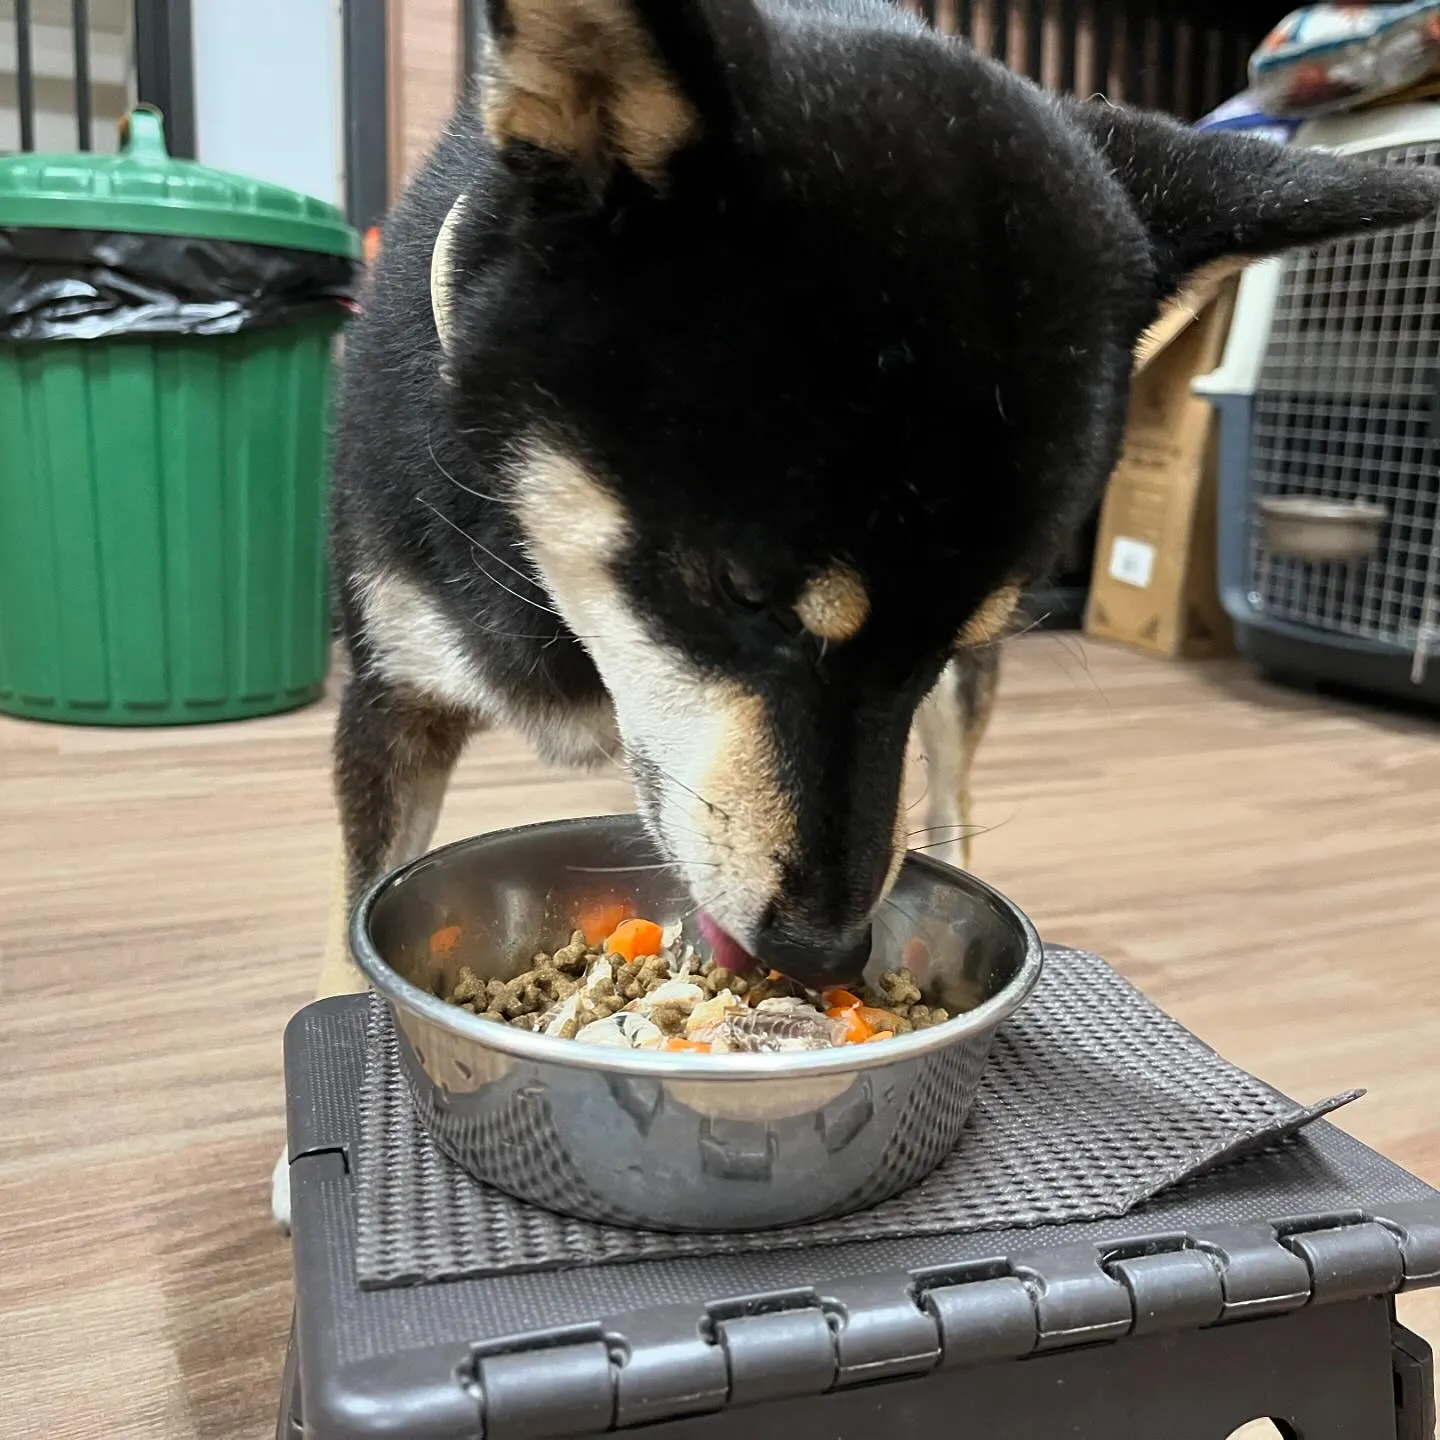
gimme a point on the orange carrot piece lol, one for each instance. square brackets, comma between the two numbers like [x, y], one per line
[596, 922]
[839, 999]
[878, 1035]
[856, 1030]
[444, 940]
[694, 1047]
[635, 939]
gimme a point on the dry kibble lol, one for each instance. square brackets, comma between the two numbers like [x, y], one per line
[670, 1018]
[898, 988]
[468, 987]
[554, 978]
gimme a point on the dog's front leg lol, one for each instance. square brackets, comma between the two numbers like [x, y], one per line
[951, 724]
[394, 755]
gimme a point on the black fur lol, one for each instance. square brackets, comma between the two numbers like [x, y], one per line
[882, 309]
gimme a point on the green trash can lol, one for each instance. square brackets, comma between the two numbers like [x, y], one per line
[163, 473]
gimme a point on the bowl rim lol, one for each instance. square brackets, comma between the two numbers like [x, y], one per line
[551, 1050]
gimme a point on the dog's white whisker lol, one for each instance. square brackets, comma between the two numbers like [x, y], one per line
[924, 794]
[1083, 661]
[1009, 635]
[673, 779]
[718, 898]
[480, 547]
[495, 580]
[459, 484]
[681, 785]
[476, 624]
[498, 559]
[965, 832]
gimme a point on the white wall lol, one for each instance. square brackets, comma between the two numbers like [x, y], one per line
[268, 91]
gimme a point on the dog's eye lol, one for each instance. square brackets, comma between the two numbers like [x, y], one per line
[739, 588]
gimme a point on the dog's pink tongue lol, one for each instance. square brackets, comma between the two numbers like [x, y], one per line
[728, 953]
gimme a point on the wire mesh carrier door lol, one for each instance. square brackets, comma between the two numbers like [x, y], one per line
[1344, 536]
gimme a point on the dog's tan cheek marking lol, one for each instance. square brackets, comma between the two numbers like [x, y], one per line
[751, 812]
[834, 604]
[988, 623]
[581, 78]
[710, 735]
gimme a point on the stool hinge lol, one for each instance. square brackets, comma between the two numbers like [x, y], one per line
[542, 1385]
[1043, 1299]
[1415, 1225]
[805, 1343]
[1258, 1275]
[1354, 1260]
[774, 1352]
[670, 1364]
[881, 1330]
[1173, 1284]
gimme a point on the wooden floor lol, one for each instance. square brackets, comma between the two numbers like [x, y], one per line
[1262, 864]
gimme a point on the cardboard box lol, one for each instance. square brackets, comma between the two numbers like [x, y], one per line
[1154, 581]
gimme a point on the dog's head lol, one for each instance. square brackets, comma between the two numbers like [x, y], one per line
[811, 333]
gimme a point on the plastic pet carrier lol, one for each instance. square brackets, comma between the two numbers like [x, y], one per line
[1329, 401]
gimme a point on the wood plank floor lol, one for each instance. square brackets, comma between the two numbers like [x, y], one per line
[1263, 864]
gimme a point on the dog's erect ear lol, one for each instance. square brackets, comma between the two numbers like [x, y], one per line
[600, 83]
[1212, 196]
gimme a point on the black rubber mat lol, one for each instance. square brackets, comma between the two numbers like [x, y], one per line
[1094, 1102]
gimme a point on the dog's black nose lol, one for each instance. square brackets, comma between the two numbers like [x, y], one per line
[813, 956]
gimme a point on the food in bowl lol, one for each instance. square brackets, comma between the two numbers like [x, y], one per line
[627, 982]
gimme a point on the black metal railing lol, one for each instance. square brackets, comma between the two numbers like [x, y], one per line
[165, 69]
[367, 123]
[162, 63]
[1182, 56]
[25, 73]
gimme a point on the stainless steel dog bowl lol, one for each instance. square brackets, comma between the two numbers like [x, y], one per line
[1311, 529]
[675, 1141]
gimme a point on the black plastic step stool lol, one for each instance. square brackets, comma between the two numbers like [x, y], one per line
[1263, 1290]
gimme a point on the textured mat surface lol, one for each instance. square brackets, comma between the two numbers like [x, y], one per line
[1095, 1101]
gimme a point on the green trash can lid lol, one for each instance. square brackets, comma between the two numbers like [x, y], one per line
[143, 191]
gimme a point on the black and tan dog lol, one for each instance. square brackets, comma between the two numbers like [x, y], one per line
[727, 368]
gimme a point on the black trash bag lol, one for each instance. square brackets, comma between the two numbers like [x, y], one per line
[97, 285]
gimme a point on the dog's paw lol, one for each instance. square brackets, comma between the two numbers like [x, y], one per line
[280, 1192]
